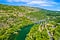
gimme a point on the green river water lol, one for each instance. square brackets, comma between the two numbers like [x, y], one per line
[24, 31]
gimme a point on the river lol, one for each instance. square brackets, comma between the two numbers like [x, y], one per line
[24, 31]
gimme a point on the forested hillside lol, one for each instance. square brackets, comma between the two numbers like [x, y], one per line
[28, 23]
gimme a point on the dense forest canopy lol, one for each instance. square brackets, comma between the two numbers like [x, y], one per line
[28, 23]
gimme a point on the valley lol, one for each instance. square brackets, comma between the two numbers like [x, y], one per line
[28, 23]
